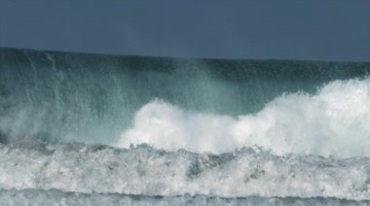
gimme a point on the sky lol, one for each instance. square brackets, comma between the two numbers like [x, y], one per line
[336, 30]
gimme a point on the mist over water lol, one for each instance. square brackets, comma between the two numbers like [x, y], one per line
[60, 97]
[161, 126]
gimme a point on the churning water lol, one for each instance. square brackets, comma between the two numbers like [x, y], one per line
[97, 129]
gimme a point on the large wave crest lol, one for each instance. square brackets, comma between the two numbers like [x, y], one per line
[334, 121]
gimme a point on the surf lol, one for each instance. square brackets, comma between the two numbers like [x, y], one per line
[165, 131]
[334, 121]
[201, 105]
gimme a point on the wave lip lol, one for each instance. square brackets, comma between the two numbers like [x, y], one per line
[146, 171]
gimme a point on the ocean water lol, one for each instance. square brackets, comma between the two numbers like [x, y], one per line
[83, 129]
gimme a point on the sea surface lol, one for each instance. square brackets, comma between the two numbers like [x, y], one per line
[90, 129]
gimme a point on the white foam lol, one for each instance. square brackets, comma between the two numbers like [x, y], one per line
[335, 121]
[145, 171]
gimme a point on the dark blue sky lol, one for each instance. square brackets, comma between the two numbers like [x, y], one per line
[263, 29]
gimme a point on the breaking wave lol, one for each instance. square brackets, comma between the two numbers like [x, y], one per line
[78, 129]
[335, 121]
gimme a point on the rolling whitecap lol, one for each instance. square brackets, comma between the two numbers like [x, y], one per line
[164, 131]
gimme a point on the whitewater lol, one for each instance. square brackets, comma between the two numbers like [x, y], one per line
[79, 129]
[335, 121]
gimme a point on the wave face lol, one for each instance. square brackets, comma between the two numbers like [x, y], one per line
[134, 130]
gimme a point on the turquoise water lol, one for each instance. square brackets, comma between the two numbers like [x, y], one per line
[184, 129]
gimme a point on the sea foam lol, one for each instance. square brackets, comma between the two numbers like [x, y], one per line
[334, 121]
[142, 170]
